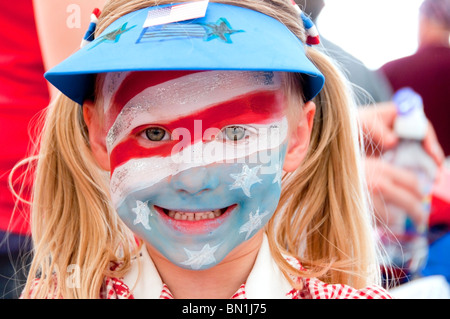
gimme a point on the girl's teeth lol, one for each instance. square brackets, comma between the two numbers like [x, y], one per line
[194, 216]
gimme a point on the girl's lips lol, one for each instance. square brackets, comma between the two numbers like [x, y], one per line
[195, 222]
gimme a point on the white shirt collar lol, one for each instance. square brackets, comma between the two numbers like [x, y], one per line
[266, 281]
[143, 278]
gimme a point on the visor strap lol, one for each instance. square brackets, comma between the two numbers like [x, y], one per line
[89, 35]
[311, 30]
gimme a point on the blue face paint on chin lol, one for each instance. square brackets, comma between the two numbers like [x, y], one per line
[232, 200]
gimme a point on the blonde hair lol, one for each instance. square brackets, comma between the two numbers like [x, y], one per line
[322, 218]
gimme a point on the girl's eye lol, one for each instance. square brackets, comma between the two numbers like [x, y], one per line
[235, 133]
[156, 134]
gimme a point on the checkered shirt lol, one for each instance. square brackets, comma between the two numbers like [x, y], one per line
[313, 288]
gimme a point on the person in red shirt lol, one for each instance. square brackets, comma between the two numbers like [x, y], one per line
[23, 94]
[428, 70]
[41, 34]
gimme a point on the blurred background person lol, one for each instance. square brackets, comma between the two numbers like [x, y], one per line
[428, 70]
[23, 94]
[388, 184]
[36, 36]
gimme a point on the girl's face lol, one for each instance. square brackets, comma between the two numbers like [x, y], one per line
[195, 157]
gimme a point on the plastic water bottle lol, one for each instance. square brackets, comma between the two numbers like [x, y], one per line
[409, 247]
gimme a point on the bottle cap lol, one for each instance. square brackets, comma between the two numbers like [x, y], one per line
[411, 122]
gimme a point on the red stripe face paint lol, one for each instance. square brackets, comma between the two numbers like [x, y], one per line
[193, 110]
[253, 108]
[166, 96]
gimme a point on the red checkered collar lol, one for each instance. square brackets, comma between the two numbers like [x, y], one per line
[265, 280]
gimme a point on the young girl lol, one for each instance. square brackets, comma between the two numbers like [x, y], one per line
[202, 162]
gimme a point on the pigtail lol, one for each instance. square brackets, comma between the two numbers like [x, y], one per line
[323, 216]
[76, 232]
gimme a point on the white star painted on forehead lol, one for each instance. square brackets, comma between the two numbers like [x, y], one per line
[142, 213]
[246, 179]
[203, 257]
[254, 222]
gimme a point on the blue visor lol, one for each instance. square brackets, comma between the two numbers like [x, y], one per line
[226, 38]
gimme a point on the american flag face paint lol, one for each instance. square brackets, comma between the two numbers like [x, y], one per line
[196, 157]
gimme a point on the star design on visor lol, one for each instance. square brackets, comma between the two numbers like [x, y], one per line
[221, 29]
[254, 223]
[200, 258]
[246, 179]
[142, 214]
[113, 36]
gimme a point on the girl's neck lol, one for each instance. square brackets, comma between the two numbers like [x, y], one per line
[218, 282]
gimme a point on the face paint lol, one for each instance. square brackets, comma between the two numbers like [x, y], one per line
[196, 158]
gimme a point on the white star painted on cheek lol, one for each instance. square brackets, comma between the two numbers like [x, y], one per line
[142, 214]
[278, 172]
[254, 222]
[203, 257]
[246, 179]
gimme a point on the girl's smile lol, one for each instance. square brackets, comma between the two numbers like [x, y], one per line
[195, 221]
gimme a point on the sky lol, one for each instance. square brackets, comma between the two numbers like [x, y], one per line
[374, 31]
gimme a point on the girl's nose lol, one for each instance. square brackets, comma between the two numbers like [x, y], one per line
[194, 181]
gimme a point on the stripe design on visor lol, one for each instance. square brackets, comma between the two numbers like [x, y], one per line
[221, 30]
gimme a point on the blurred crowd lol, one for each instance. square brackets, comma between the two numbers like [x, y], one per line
[417, 255]
[32, 44]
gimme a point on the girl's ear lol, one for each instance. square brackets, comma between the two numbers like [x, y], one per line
[97, 138]
[300, 138]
